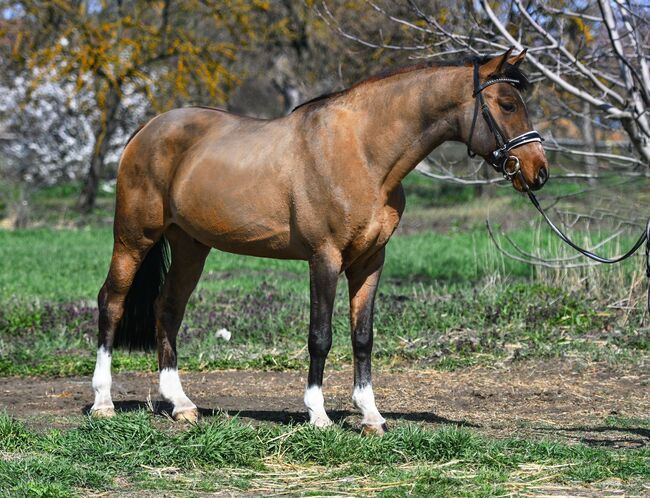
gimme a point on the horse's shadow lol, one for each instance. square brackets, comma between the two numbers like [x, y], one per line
[586, 435]
[163, 408]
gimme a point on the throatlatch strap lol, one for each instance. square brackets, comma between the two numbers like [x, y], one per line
[471, 153]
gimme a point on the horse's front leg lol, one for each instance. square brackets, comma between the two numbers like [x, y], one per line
[324, 270]
[363, 280]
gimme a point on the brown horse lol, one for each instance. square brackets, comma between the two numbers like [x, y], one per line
[321, 184]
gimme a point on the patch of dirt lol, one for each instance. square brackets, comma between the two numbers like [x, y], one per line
[554, 399]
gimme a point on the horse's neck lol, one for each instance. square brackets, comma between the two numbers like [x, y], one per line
[406, 116]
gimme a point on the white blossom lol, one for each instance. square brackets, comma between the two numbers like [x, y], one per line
[51, 131]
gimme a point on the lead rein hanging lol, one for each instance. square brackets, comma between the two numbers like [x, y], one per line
[644, 237]
[500, 158]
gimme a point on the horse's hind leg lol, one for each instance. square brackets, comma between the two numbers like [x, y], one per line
[363, 281]
[188, 258]
[124, 265]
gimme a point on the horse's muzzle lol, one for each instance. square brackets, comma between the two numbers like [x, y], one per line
[542, 177]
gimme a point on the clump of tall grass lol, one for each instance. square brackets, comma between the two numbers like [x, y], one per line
[554, 264]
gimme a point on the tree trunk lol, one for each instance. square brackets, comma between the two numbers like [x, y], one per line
[103, 135]
[640, 142]
[589, 138]
[485, 190]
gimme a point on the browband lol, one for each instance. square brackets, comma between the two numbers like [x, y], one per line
[492, 82]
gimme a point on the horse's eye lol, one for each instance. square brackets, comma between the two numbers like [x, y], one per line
[508, 106]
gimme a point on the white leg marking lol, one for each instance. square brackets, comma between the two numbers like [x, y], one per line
[316, 407]
[102, 381]
[364, 399]
[172, 391]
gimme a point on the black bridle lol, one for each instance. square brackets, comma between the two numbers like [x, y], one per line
[500, 159]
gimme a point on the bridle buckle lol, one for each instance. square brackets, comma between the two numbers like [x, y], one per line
[509, 174]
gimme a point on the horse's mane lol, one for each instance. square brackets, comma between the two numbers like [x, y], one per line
[508, 71]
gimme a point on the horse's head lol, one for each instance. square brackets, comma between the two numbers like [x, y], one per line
[495, 122]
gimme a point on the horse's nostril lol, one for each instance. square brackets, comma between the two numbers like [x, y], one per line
[542, 176]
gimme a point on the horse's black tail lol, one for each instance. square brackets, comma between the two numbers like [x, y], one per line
[137, 329]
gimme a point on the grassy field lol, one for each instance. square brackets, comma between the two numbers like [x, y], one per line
[448, 301]
[433, 285]
[224, 454]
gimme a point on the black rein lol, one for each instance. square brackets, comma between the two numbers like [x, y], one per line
[499, 160]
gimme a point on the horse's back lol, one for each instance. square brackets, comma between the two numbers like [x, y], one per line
[165, 138]
[225, 179]
[149, 163]
[232, 190]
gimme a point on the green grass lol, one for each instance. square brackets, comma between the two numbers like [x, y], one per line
[68, 265]
[445, 327]
[438, 305]
[129, 451]
[447, 300]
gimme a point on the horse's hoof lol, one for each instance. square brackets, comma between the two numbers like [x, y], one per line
[374, 429]
[102, 412]
[322, 422]
[190, 416]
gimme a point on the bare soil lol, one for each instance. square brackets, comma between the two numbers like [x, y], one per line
[555, 399]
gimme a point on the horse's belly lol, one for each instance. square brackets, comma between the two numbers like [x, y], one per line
[253, 240]
[240, 227]
[243, 210]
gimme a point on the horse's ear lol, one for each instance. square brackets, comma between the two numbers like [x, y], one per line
[495, 65]
[518, 59]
